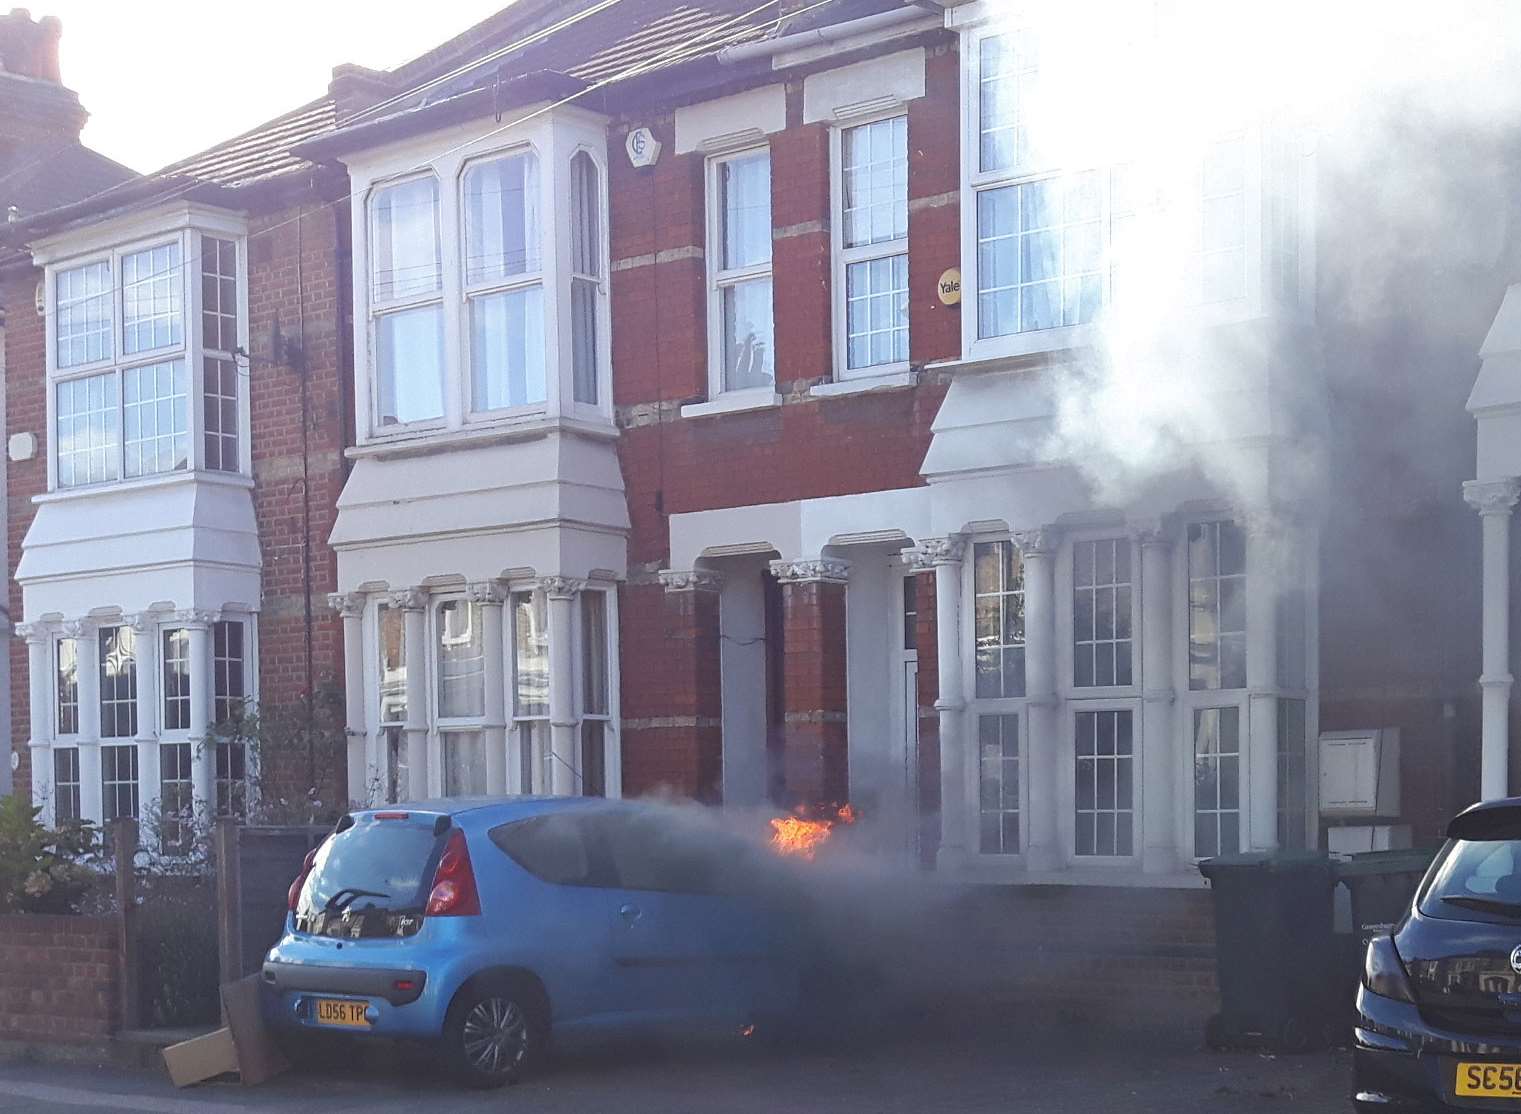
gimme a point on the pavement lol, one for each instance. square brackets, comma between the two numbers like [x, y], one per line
[986, 1066]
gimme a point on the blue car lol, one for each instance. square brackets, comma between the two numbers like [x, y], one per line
[483, 925]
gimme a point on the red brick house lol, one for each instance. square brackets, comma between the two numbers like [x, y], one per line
[693, 398]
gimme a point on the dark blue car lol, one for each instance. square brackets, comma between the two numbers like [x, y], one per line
[1439, 1009]
[483, 925]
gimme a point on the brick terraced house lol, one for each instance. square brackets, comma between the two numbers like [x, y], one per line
[629, 396]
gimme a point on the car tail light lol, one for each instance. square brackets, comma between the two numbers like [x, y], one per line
[1383, 971]
[454, 893]
[294, 895]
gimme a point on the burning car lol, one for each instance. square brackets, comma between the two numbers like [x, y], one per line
[482, 925]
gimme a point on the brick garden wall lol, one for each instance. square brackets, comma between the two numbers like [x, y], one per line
[58, 978]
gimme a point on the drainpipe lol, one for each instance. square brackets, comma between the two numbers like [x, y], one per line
[817, 36]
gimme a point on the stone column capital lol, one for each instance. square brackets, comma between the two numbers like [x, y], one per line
[695, 580]
[348, 604]
[827, 570]
[75, 628]
[936, 551]
[408, 599]
[30, 632]
[561, 587]
[194, 617]
[1040, 541]
[1492, 496]
[487, 592]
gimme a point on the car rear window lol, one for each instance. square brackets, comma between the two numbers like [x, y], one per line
[1476, 879]
[392, 859]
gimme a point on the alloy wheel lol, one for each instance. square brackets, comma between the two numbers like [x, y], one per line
[495, 1036]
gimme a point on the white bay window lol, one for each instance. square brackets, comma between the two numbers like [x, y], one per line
[125, 330]
[1069, 218]
[484, 288]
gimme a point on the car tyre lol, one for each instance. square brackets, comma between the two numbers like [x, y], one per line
[497, 1032]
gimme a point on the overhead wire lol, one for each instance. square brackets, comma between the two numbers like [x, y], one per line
[700, 43]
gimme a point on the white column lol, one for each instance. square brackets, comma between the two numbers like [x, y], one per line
[1263, 556]
[412, 602]
[950, 701]
[1043, 736]
[144, 666]
[564, 774]
[87, 643]
[490, 595]
[362, 771]
[197, 626]
[39, 671]
[1159, 847]
[1494, 500]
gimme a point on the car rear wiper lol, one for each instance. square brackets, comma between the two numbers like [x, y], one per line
[345, 897]
[1486, 905]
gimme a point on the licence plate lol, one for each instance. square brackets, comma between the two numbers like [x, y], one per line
[1495, 1081]
[341, 1011]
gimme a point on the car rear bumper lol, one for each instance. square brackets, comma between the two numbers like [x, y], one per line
[397, 986]
[1400, 1062]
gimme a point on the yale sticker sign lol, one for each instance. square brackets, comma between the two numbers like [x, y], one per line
[948, 286]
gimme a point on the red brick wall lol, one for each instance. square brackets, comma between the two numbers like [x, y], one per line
[25, 412]
[815, 764]
[297, 265]
[671, 720]
[806, 448]
[58, 977]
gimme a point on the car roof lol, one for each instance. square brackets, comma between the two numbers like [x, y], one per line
[1496, 819]
[459, 806]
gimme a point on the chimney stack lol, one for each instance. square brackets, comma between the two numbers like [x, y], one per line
[30, 48]
[356, 88]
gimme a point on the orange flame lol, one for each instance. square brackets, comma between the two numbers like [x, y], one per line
[799, 837]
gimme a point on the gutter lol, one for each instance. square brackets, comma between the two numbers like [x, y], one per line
[766, 48]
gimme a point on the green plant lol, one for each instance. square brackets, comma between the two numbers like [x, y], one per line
[43, 871]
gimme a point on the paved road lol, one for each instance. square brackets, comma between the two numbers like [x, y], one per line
[985, 1069]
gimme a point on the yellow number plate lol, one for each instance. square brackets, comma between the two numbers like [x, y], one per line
[340, 1011]
[1495, 1081]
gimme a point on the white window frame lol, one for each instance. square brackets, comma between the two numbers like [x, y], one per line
[989, 705]
[843, 256]
[554, 136]
[1071, 710]
[612, 765]
[599, 280]
[376, 309]
[720, 279]
[54, 643]
[506, 284]
[980, 20]
[160, 691]
[521, 728]
[1191, 700]
[1066, 615]
[184, 225]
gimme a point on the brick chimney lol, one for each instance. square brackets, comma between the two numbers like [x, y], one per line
[35, 105]
[356, 88]
[30, 49]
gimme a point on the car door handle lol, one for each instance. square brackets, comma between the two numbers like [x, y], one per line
[630, 914]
